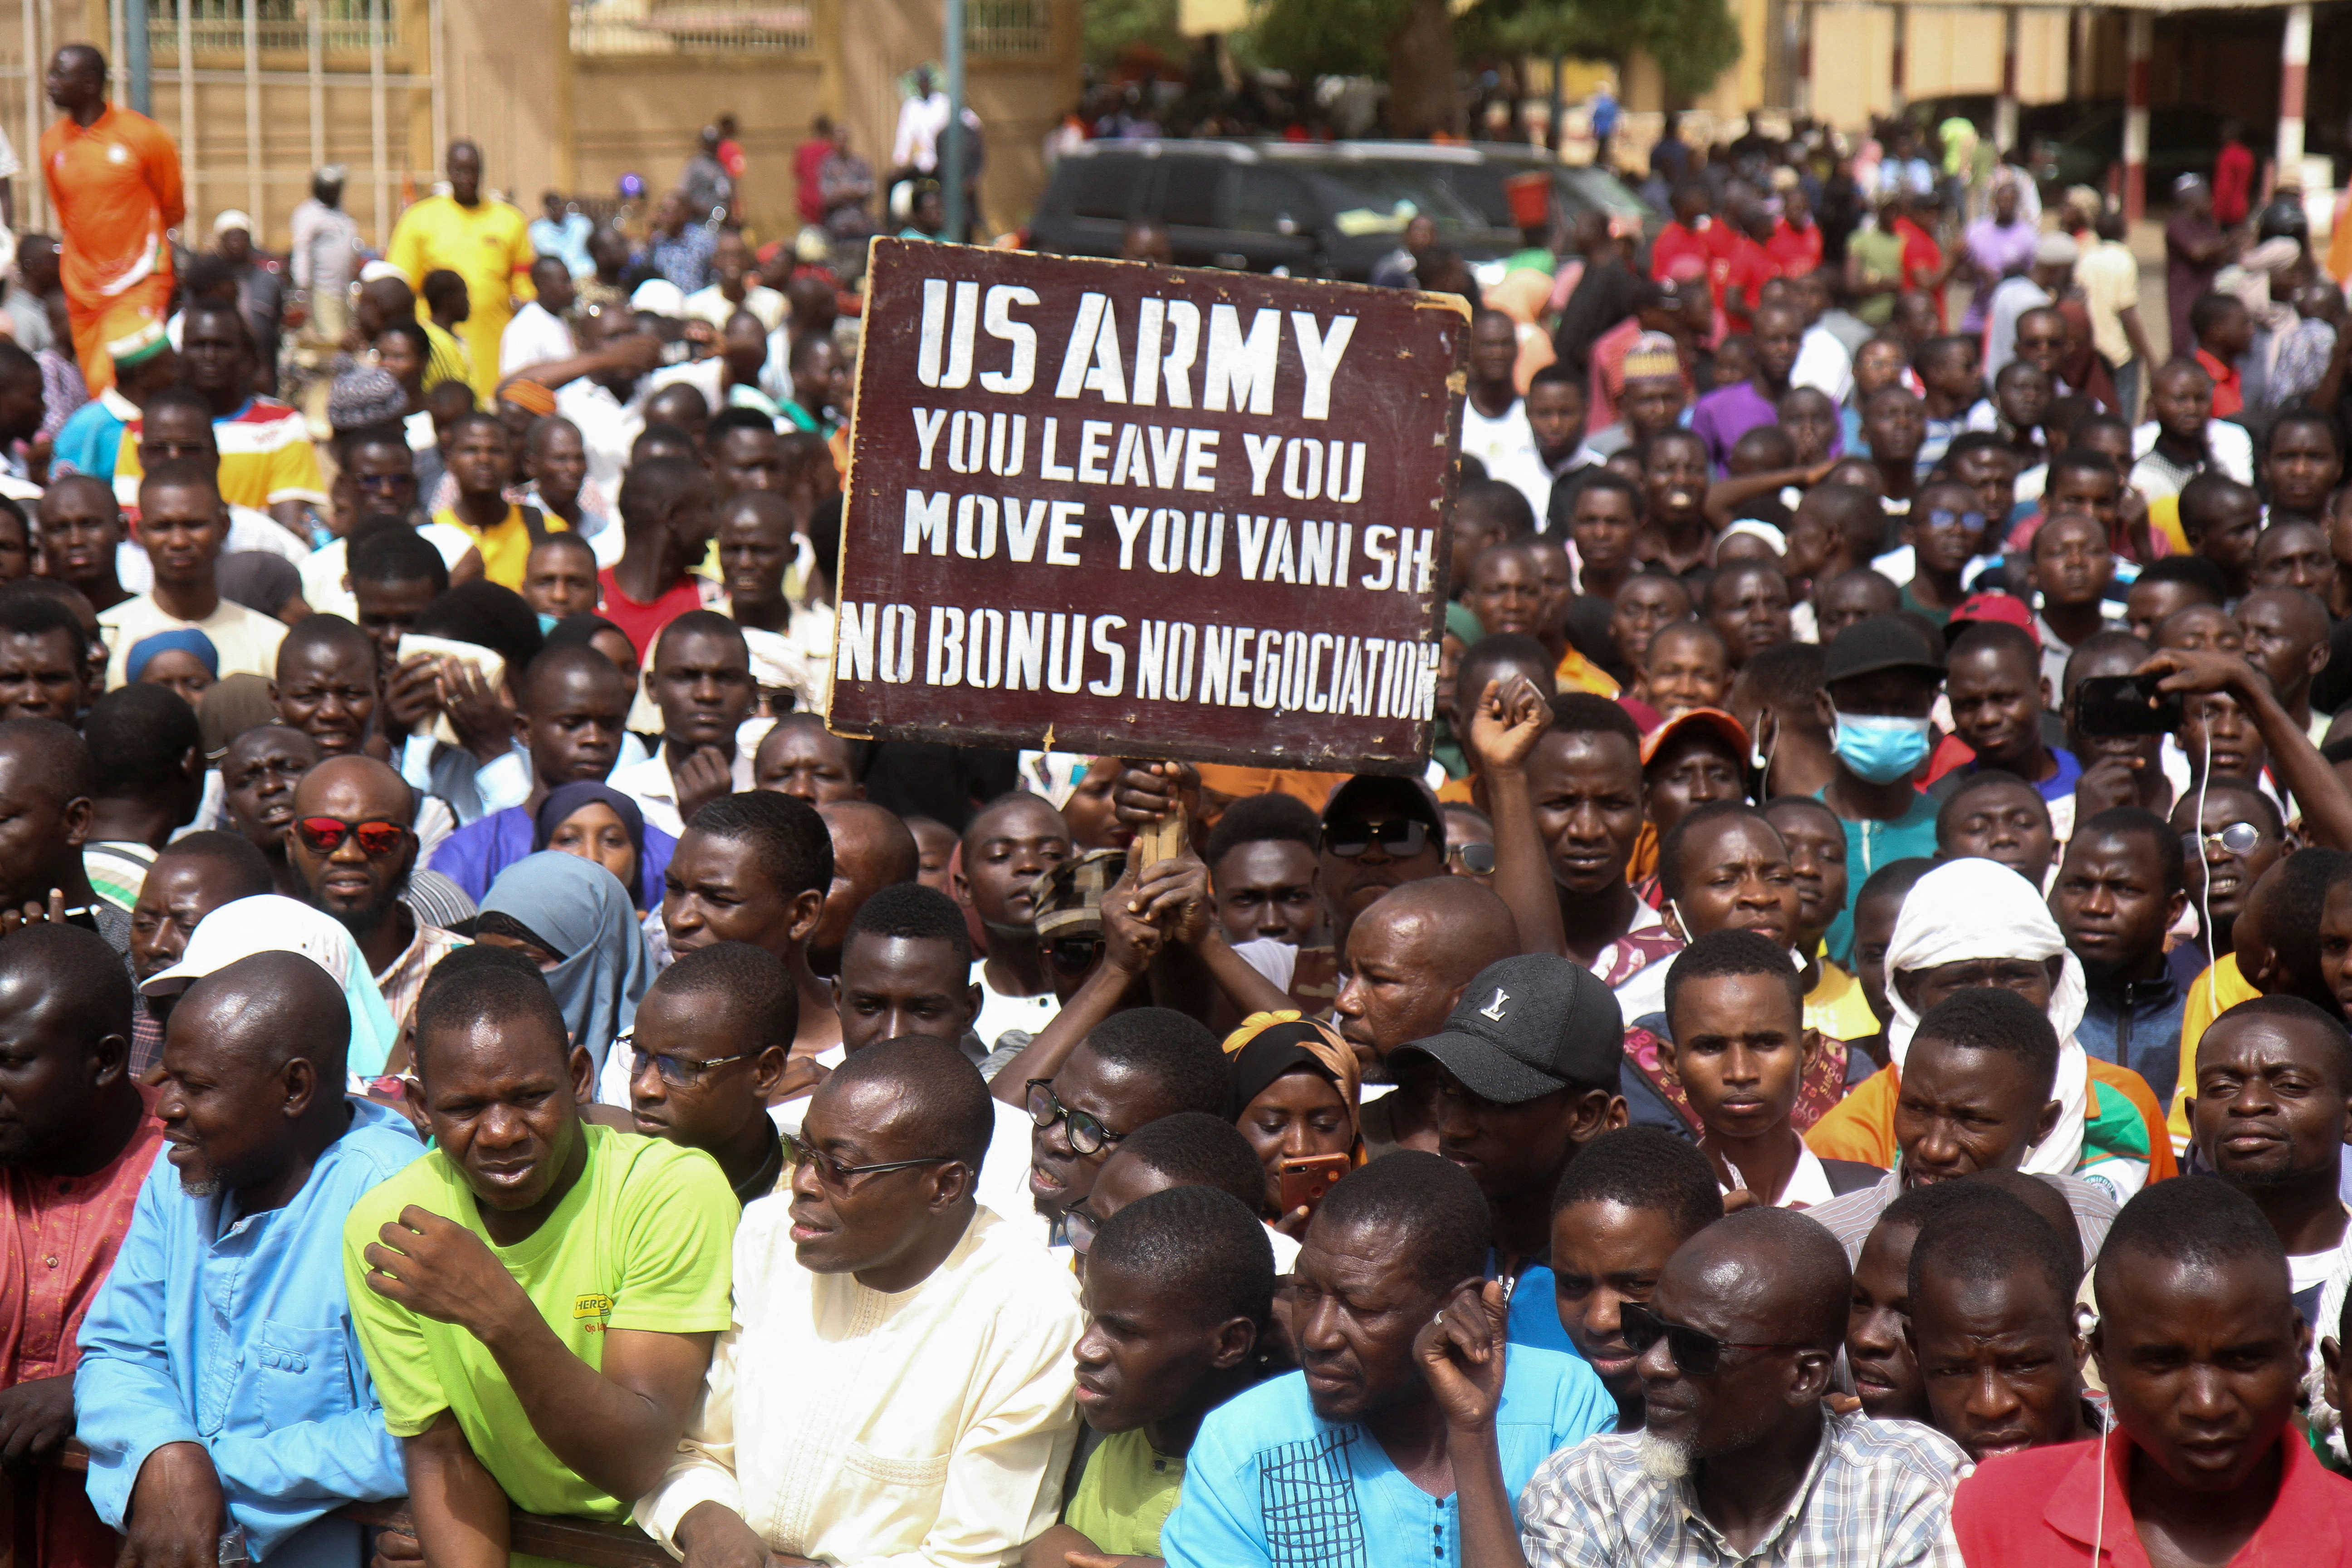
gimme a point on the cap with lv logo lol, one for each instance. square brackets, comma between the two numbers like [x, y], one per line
[1528, 1026]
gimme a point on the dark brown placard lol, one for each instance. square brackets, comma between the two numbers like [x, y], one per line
[1085, 496]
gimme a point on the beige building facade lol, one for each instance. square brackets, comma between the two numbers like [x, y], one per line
[564, 95]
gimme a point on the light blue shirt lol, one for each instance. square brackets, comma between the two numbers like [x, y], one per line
[236, 1333]
[568, 239]
[1269, 1482]
[472, 789]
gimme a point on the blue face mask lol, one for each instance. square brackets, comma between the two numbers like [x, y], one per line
[1880, 750]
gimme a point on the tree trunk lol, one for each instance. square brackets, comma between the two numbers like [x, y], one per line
[1420, 71]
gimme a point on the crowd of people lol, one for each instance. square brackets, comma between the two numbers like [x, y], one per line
[1839, 1061]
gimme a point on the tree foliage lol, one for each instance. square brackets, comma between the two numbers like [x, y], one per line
[1694, 41]
[1114, 26]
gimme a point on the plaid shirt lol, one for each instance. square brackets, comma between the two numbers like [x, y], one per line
[1878, 1492]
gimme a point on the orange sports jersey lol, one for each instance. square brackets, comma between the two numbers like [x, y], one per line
[116, 186]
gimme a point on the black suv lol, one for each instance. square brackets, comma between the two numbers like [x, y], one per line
[1311, 210]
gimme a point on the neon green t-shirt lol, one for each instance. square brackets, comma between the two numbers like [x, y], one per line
[1126, 1495]
[644, 1239]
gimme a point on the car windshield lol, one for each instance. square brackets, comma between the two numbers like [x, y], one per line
[1372, 198]
[1604, 190]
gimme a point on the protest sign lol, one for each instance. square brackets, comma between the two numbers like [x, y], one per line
[1111, 507]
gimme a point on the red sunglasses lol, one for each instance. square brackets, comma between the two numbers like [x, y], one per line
[325, 835]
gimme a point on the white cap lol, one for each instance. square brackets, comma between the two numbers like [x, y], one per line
[660, 296]
[265, 922]
[231, 219]
[375, 270]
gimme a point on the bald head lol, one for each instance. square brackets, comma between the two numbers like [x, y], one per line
[1781, 1274]
[267, 1011]
[880, 844]
[356, 789]
[1456, 927]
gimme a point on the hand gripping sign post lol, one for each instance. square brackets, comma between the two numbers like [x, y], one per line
[1108, 507]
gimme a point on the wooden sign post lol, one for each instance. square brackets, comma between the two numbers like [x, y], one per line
[1113, 507]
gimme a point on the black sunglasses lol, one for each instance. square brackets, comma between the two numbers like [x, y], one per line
[1087, 1134]
[834, 1175]
[1348, 840]
[1072, 954]
[1697, 1354]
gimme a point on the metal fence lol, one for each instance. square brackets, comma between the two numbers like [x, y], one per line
[683, 26]
[341, 27]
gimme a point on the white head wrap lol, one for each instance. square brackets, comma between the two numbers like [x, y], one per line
[1981, 909]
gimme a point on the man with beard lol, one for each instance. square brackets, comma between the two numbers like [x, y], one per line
[1739, 1455]
[221, 1386]
[1392, 1255]
[352, 842]
[2272, 1093]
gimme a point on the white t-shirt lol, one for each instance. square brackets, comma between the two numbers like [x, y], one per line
[712, 306]
[246, 640]
[534, 336]
[326, 587]
[1488, 440]
[999, 1012]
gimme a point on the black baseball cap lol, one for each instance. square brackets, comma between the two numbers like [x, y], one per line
[1877, 643]
[1410, 798]
[1528, 1026]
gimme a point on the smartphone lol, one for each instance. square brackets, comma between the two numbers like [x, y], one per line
[1304, 1182]
[2126, 705]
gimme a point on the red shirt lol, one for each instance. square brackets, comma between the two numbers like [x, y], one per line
[1796, 251]
[2234, 180]
[1746, 268]
[58, 1235]
[2229, 386]
[1922, 263]
[1679, 252]
[808, 161]
[643, 623]
[2020, 1511]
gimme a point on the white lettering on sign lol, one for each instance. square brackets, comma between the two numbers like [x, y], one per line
[1171, 661]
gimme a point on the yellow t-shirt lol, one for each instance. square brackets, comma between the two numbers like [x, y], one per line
[266, 457]
[505, 546]
[644, 1240]
[487, 244]
[1126, 1495]
[2220, 988]
[1837, 1007]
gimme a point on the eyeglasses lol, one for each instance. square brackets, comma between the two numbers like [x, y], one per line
[1081, 1228]
[834, 1175]
[1072, 953]
[679, 1072]
[1348, 840]
[1697, 1354]
[1087, 1134]
[325, 835]
[1477, 859]
[2237, 838]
